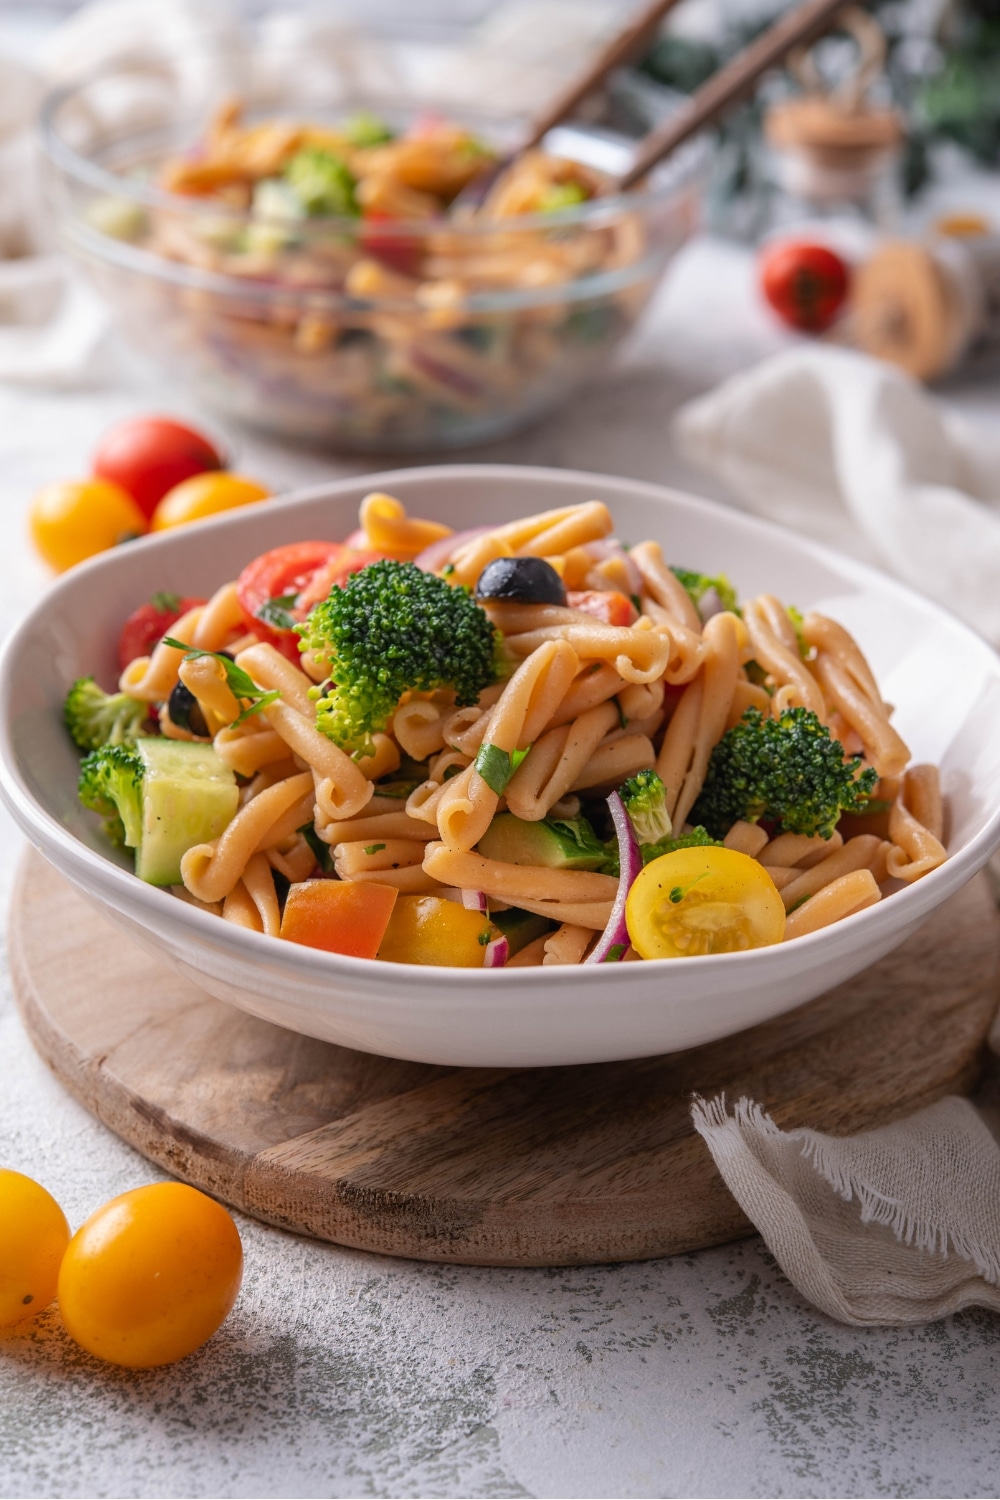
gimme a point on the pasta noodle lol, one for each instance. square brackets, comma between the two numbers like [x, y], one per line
[847, 680]
[567, 944]
[775, 648]
[467, 803]
[841, 898]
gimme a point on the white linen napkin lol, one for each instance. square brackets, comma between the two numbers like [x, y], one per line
[855, 453]
[893, 1226]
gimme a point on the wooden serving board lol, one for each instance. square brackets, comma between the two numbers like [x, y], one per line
[550, 1166]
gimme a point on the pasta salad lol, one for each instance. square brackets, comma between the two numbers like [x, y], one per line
[329, 280]
[524, 744]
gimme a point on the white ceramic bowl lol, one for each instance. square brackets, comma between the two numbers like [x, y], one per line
[944, 681]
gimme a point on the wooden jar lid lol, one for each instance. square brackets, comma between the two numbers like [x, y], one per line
[904, 309]
[830, 133]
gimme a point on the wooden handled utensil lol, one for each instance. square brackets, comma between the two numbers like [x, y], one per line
[803, 24]
[622, 48]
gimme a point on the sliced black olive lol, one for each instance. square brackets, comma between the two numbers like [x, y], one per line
[521, 580]
[185, 711]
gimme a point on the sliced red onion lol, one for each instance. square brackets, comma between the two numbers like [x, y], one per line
[611, 547]
[434, 557]
[710, 605]
[496, 954]
[474, 900]
[615, 935]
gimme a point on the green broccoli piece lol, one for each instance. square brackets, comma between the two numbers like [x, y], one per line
[391, 628]
[94, 717]
[560, 196]
[699, 585]
[322, 183]
[645, 799]
[111, 785]
[366, 129]
[788, 769]
[697, 838]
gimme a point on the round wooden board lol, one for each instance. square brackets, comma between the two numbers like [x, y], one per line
[488, 1167]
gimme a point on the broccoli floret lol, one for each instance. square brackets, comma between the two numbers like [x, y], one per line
[391, 628]
[366, 129]
[322, 183]
[700, 587]
[111, 785]
[645, 799]
[560, 196]
[94, 717]
[788, 769]
[696, 838]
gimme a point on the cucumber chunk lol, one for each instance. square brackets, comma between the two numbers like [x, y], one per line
[554, 843]
[188, 798]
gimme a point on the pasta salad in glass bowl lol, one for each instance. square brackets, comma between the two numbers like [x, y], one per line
[391, 749]
[327, 269]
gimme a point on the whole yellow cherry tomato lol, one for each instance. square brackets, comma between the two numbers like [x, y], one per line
[150, 1276]
[205, 495]
[33, 1237]
[703, 900]
[76, 519]
[431, 930]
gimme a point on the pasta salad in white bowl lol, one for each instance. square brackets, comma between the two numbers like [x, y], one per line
[654, 770]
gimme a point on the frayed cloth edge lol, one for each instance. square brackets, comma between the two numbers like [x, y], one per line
[875, 1207]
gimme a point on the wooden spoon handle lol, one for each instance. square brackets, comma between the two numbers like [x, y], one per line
[802, 24]
[620, 49]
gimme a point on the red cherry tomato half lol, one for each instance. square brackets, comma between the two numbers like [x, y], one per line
[608, 605]
[805, 284]
[271, 585]
[336, 572]
[286, 583]
[148, 456]
[401, 252]
[147, 624]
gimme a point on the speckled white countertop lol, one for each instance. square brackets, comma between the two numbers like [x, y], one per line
[341, 1373]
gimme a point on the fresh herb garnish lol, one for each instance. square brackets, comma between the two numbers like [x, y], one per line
[278, 611]
[497, 766]
[239, 682]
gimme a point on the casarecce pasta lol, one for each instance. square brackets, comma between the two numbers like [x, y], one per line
[548, 722]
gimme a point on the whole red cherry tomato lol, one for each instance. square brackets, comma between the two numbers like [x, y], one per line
[147, 624]
[280, 587]
[805, 284]
[148, 456]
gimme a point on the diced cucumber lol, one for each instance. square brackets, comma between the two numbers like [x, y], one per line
[554, 843]
[188, 798]
[520, 927]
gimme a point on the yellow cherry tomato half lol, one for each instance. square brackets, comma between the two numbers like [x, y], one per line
[150, 1276]
[75, 519]
[205, 495]
[705, 900]
[33, 1238]
[431, 930]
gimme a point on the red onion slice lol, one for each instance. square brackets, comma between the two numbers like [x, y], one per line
[474, 900]
[615, 935]
[496, 954]
[434, 557]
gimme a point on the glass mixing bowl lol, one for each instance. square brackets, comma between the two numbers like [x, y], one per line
[372, 335]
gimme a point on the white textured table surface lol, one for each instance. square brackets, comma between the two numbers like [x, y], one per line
[341, 1373]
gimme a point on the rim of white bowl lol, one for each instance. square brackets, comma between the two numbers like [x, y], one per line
[909, 905]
